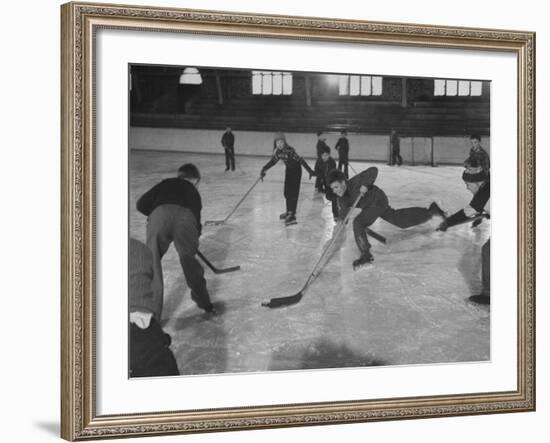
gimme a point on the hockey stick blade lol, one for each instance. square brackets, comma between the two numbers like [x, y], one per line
[225, 270]
[214, 269]
[279, 302]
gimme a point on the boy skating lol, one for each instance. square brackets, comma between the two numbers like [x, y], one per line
[323, 167]
[342, 147]
[293, 175]
[396, 158]
[373, 204]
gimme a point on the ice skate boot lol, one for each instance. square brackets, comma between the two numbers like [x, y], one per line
[365, 259]
[290, 219]
[284, 215]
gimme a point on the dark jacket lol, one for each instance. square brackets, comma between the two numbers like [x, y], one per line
[482, 196]
[374, 197]
[175, 191]
[395, 142]
[228, 140]
[342, 146]
[323, 168]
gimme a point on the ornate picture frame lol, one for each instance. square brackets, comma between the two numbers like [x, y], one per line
[80, 23]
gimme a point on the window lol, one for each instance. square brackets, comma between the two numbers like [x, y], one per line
[462, 88]
[271, 83]
[355, 85]
[190, 76]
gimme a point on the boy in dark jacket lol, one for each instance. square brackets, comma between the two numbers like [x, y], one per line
[293, 175]
[173, 210]
[228, 143]
[342, 147]
[323, 167]
[320, 148]
[478, 183]
[373, 204]
[396, 158]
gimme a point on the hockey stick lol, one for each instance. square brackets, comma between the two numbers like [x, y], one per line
[352, 168]
[469, 220]
[279, 302]
[221, 222]
[217, 270]
[376, 236]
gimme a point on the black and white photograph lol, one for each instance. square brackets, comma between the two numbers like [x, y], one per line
[290, 220]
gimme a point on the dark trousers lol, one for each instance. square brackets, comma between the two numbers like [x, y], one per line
[293, 177]
[173, 223]
[150, 355]
[343, 165]
[402, 218]
[486, 267]
[396, 158]
[230, 158]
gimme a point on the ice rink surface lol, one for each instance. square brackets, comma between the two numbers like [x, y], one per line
[409, 307]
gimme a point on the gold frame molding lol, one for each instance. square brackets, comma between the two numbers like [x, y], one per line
[79, 22]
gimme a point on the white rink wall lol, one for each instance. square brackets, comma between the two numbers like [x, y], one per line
[447, 150]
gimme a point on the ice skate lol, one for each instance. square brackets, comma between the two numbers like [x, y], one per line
[284, 215]
[290, 219]
[364, 260]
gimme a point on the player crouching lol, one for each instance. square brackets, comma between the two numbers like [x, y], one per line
[373, 204]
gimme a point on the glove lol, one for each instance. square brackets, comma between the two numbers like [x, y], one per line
[312, 174]
[442, 226]
[477, 222]
[262, 174]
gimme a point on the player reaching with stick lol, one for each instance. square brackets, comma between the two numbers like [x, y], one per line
[478, 183]
[373, 204]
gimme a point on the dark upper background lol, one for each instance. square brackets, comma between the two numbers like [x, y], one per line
[225, 99]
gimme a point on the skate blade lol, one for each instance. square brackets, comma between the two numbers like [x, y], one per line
[366, 265]
[291, 223]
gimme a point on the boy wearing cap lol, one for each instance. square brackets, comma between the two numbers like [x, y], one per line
[342, 147]
[396, 158]
[293, 175]
[373, 204]
[478, 183]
